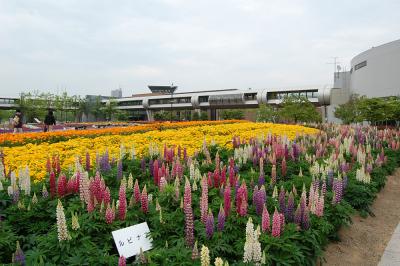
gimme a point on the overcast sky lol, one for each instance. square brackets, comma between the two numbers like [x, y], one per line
[92, 47]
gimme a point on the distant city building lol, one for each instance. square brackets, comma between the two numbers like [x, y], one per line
[116, 93]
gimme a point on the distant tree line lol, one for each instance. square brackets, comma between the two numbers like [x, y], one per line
[376, 111]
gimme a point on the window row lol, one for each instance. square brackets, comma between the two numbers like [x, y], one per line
[282, 95]
[170, 101]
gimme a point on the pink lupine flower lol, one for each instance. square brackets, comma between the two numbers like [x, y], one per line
[276, 224]
[136, 191]
[227, 199]
[265, 220]
[48, 165]
[106, 196]
[144, 200]
[122, 203]
[241, 200]
[162, 183]
[204, 200]
[122, 261]
[110, 214]
[187, 197]
[62, 185]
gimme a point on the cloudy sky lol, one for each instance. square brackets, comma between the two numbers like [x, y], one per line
[93, 46]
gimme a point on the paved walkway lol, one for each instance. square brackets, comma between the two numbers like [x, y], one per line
[391, 256]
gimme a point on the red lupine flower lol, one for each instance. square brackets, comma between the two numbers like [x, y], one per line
[144, 200]
[227, 199]
[53, 191]
[265, 220]
[122, 203]
[62, 185]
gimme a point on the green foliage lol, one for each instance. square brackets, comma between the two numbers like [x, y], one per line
[298, 109]
[203, 116]
[266, 113]
[373, 110]
[195, 116]
[230, 114]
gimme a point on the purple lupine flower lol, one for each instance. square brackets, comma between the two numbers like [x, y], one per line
[295, 150]
[303, 203]
[19, 256]
[339, 191]
[282, 203]
[143, 165]
[151, 167]
[210, 224]
[305, 223]
[259, 200]
[221, 219]
[290, 208]
[261, 179]
[119, 170]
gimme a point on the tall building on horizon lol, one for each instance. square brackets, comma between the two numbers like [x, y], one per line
[116, 93]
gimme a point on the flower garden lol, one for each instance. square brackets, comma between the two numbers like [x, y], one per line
[212, 193]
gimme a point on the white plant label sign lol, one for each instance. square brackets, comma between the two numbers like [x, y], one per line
[129, 240]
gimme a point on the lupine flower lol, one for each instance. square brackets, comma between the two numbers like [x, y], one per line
[273, 175]
[61, 224]
[227, 199]
[221, 219]
[144, 200]
[62, 185]
[252, 247]
[260, 198]
[265, 220]
[19, 256]
[218, 262]
[136, 191]
[305, 223]
[155, 172]
[53, 190]
[75, 222]
[119, 170]
[290, 208]
[48, 165]
[34, 199]
[189, 227]
[241, 200]
[195, 252]
[45, 194]
[320, 206]
[122, 203]
[210, 224]
[122, 261]
[204, 200]
[205, 256]
[298, 216]
[187, 197]
[177, 190]
[162, 183]
[110, 214]
[276, 224]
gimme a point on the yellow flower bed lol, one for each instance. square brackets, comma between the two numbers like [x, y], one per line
[35, 155]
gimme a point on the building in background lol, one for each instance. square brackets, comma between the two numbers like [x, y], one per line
[373, 73]
[116, 93]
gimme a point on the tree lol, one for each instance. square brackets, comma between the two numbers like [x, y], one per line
[96, 108]
[266, 113]
[195, 116]
[232, 114]
[110, 109]
[349, 112]
[299, 109]
[203, 116]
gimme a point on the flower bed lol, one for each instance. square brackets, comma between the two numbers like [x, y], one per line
[189, 135]
[269, 199]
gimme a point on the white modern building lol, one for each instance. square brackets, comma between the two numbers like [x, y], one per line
[165, 98]
[373, 73]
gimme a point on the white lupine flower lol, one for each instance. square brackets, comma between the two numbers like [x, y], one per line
[218, 262]
[61, 224]
[205, 256]
[130, 181]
